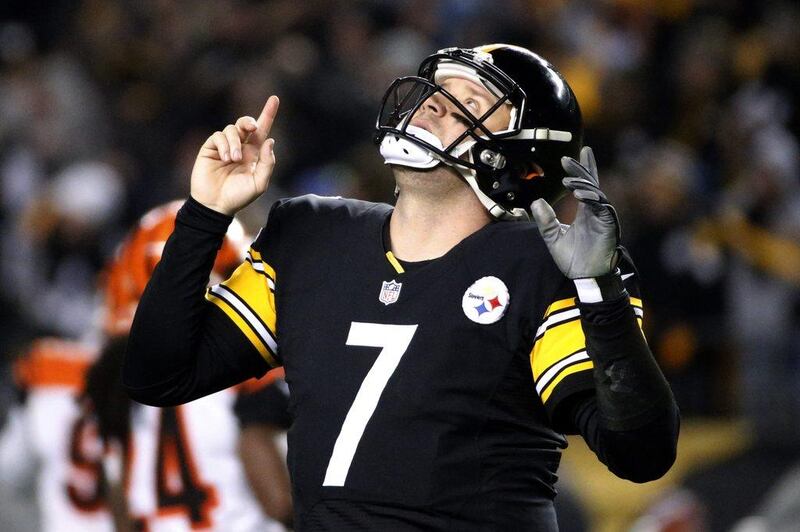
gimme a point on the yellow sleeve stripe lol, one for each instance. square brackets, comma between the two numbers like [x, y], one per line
[556, 369]
[556, 343]
[251, 283]
[248, 299]
[255, 255]
[556, 318]
[559, 305]
[254, 258]
[570, 370]
[243, 326]
[559, 348]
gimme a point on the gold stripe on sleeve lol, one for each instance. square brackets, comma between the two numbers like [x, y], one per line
[253, 288]
[583, 366]
[556, 343]
[247, 299]
[561, 340]
[243, 326]
[559, 305]
[256, 255]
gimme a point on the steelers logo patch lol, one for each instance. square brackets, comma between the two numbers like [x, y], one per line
[486, 300]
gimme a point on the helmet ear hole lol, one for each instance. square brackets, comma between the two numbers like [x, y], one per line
[532, 171]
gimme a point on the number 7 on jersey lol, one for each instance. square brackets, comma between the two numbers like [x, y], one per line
[394, 339]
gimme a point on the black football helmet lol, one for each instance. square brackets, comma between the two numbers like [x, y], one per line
[506, 169]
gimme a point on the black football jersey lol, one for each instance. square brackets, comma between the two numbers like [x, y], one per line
[423, 396]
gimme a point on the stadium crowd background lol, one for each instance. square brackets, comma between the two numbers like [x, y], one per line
[691, 107]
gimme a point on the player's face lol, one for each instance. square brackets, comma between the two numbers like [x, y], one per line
[441, 117]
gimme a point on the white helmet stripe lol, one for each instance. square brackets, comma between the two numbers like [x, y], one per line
[543, 133]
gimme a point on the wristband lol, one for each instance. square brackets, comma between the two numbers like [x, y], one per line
[597, 289]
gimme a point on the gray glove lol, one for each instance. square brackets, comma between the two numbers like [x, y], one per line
[588, 247]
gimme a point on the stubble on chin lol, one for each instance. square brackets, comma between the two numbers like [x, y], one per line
[433, 181]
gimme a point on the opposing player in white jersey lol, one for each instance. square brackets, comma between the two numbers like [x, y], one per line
[186, 468]
[48, 435]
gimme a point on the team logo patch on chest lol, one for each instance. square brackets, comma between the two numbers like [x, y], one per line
[390, 292]
[486, 300]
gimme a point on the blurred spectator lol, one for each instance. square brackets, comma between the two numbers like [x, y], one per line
[780, 508]
[683, 276]
[56, 247]
[761, 229]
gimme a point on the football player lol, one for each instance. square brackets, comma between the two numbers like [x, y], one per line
[48, 435]
[185, 467]
[438, 350]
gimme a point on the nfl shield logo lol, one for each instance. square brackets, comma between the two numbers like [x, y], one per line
[390, 291]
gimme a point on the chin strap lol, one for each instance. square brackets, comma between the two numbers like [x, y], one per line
[497, 211]
[403, 152]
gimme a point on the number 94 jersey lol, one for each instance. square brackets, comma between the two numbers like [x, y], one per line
[422, 393]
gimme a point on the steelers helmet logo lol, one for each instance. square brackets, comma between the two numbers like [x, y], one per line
[486, 300]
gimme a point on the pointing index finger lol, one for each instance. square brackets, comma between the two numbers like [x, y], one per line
[265, 120]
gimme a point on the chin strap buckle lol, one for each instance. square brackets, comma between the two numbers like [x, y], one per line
[493, 159]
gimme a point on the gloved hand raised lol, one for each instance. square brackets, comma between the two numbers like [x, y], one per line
[588, 247]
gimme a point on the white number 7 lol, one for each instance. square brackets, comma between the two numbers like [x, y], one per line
[394, 339]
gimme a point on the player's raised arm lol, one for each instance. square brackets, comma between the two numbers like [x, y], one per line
[181, 347]
[234, 165]
[631, 421]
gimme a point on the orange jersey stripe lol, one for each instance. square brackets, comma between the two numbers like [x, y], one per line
[54, 362]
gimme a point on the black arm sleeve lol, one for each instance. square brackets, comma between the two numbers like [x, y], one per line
[182, 347]
[639, 455]
[631, 421]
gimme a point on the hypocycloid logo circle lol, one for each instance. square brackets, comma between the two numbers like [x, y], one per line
[486, 300]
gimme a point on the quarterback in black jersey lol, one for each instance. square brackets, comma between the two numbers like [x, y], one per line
[436, 351]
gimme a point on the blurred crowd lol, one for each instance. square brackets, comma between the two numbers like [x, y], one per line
[691, 107]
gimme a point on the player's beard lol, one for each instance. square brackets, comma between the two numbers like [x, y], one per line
[437, 182]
